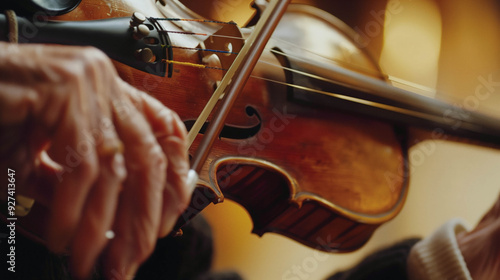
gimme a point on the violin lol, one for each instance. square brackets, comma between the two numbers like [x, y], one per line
[315, 146]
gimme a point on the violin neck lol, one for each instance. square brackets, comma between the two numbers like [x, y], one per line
[417, 135]
[352, 92]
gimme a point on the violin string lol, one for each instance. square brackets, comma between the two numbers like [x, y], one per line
[387, 107]
[303, 49]
[450, 99]
[411, 84]
[281, 67]
[391, 108]
[306, 74]
[182, 32]
[201, 49]
[197, 20]
[395, 109]
[365, 70]
[346, 63]
[329, 59]
[393, 79]
[406, 111]
[195, 65]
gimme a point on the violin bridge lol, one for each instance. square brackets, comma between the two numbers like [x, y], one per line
[227, 39]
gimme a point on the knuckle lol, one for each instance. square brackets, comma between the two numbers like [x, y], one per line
[73, 80]
[161, 158]
[157, 158]
[158, 162]
[94, 60]
[175, 126]
[93, 55]
[73, 77]
[88, 170]
[145, 246]
[150, 168]
[118, 169]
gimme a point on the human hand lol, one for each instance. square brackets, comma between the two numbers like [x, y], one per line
[481, 246]
[118, 157]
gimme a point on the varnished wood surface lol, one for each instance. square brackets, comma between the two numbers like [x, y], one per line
[340, 169]
[351, 166]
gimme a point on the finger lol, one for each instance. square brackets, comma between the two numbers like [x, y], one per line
[74, 144]
[100, 207]
[171, 135]
[41, 185]
[21, 141]
[138, 216]
[79, 169]
[176, 195]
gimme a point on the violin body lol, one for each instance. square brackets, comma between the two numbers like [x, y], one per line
[312, 172]
[320, 176]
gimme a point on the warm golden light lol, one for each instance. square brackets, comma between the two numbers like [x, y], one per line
[412, 43]
[434, 47]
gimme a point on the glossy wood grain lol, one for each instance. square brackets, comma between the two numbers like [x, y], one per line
[325, 178]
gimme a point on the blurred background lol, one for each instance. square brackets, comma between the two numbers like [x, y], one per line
[450, 49]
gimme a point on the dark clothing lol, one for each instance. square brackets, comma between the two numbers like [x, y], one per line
[386, 264]
[187, 257]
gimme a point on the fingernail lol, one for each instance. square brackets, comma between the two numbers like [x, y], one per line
[191, 180]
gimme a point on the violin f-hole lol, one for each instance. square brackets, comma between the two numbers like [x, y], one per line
[234, 131]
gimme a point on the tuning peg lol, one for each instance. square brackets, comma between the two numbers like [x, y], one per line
[137, 19]
[145, 55]
[140, 31]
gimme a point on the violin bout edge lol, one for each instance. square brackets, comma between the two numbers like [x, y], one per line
[272, 201]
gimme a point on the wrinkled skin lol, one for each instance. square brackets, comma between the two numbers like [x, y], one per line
[481, 246]
[64, 116]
